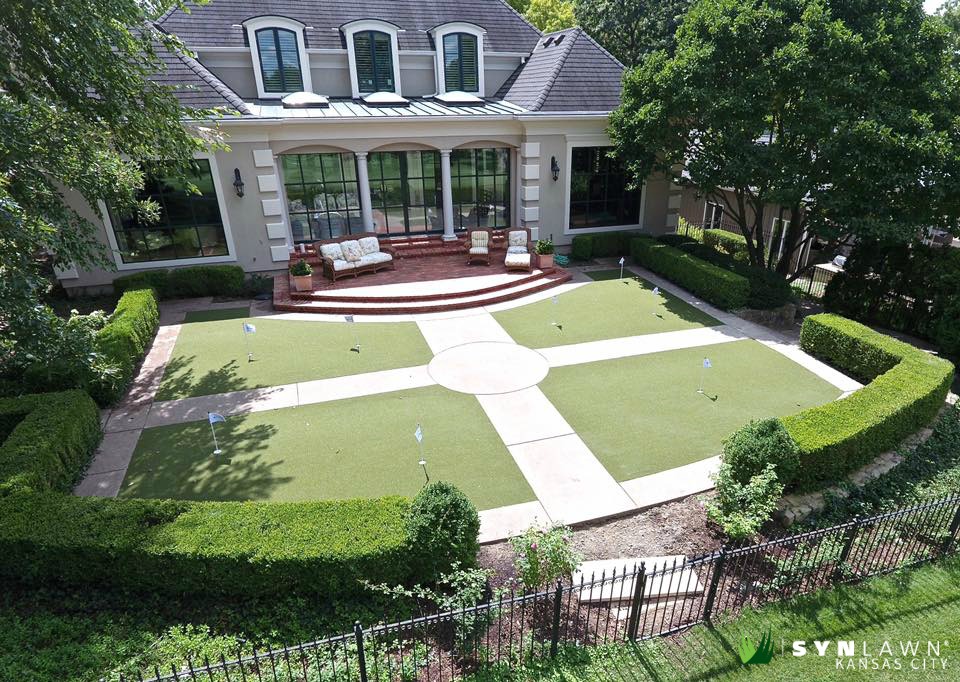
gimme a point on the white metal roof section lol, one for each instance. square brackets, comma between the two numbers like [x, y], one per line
[456, 97]
[299, 100]
[341, 109]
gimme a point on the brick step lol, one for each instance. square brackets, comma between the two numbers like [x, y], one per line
[464, 301]
[334, 296]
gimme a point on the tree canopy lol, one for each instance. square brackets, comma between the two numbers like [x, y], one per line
[631, 29]
[548, 15]
[844, 112]
[79, 111]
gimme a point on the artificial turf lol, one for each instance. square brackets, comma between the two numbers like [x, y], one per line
[359, 447]
[608, 308]
[642, 414]
[210, 355]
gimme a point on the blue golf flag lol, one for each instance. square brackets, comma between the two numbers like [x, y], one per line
[706, 363]
[215, 417]
[418, 434]
[656, 291]
[348, 318]
[249, 328]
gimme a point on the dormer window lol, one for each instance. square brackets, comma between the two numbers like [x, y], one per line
[280, 62]
[459, 61]
[372, 50]
[374, 56]
[460, 68]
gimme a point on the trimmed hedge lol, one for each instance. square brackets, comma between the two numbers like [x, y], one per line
[601, 245]
[906, 389]
[720, 287]
[52, 438]
[202, 280]
[124, 341]
[734, 245]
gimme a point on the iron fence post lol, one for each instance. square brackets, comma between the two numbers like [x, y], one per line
[361, 656]
[555, 630]
[714, 583]
[952, 533]
[639, 585]
[850, 537]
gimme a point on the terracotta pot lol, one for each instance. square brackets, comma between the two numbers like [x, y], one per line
[545, 261]
[302, 282]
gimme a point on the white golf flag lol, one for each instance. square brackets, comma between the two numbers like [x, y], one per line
[706, 363]
[418, 434]
[348, 318]
[249, 328]
[656, 291]
[556, 300]
[621, 260]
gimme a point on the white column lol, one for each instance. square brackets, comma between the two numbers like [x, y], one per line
[366, 204]
[447, 187]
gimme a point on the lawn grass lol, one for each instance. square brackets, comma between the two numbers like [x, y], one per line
[642, 414]
[210, 355]
[608, 308]
[359, 447]
[909, 606]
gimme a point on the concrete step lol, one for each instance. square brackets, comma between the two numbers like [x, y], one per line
[331, 296]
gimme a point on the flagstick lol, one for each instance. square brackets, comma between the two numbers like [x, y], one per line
[246, 340]
[423, 464]
[621, 269]
[703, 371]
[216, 446]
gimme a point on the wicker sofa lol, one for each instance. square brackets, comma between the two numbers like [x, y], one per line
[353, 254]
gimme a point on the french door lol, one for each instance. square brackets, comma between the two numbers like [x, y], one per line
[405, 192]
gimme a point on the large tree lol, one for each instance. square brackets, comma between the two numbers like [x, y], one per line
[842, 111]
[549, 15]
[631, 29]
[79, 112]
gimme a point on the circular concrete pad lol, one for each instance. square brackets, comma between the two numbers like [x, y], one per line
[488, 367]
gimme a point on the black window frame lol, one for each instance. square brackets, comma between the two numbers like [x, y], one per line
[474, 181]
[605, 184]
[459, 36]
[371, 34]
[281, 67]
[407, 173]
[320, 220]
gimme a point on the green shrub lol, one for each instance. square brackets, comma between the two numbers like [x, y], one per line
[906, 389]
[752, 448]
[238, 549]
[767, 288]
[52, 438]
[734, 245]
[607, 244]
[720, 287]
[124, 341]
[544, 556]
[200, 280]
[675, 240]
[444, 527]
[740, 509]
[688, 229]
[582, 248]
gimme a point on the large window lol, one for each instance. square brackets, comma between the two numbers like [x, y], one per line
[481, 188]
[323, 196]
[279, 60]
[405, 191]
[598, 190]
[373, 51]
[190, 225]
[460, 68]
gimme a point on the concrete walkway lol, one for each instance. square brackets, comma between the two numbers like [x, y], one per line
[472, 354]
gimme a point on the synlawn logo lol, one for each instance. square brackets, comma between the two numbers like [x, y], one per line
[752, 654]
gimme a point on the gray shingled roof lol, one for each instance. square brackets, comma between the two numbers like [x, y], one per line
[568, 71]
[194, 85]
[213, 24]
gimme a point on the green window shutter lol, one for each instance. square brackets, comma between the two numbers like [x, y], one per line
[363, 50]
[460, 63]
[374, 59]
[279, 60]
[383, 54]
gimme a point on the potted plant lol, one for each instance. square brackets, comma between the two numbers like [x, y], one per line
[302, 274]
[545, 254]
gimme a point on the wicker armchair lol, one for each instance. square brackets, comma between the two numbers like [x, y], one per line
[478, 246]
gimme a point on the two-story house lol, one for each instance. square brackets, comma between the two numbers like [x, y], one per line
[402, 117]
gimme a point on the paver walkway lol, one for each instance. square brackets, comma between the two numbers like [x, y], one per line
[472, 354]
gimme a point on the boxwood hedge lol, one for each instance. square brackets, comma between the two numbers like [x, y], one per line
[905, 388]
[732, 244]
[201, 280]
[124, 341]
[715, 285]
[601, 245]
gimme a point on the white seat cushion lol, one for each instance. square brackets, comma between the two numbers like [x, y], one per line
[341, 265]
[479, 239]
[479, 251]
[517, 238]
[351, 250]
[331, 251]
[369, 245]
[516, 249]
[375, 258]
[517, 260]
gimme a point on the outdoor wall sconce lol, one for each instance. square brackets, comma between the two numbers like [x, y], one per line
[554, 168]
[237, 182]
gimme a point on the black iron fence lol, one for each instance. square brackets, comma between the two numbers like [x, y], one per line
[630, 602]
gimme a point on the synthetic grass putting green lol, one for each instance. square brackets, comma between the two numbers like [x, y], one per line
[359, 447]
[642, 414]
[608, 308]
[210, 355]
